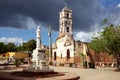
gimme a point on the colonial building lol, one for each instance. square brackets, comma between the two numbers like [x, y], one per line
[65, 49]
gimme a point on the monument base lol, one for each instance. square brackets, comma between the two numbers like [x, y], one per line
[33, 70]
[39, 64]
[43, 67]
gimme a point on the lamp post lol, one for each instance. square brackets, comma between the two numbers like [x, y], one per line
[50, 44]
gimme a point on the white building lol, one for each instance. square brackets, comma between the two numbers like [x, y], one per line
[64, 48]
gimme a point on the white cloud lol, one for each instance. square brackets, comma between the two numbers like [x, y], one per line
[26, 22]
[83, 36]
[87, 36]
[15, 40]
[114, 18]
[30, 23]
[118, 5]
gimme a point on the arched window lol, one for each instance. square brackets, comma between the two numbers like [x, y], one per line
[68, 54]
[54, 55]
[68, 29]
[67, 15]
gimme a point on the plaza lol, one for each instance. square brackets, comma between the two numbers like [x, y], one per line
[100, 73]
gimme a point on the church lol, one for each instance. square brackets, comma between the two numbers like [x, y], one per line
[66, 49]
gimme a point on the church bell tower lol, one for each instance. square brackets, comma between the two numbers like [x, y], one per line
[65, 22]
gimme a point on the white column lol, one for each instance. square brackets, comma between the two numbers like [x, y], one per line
[38, 38]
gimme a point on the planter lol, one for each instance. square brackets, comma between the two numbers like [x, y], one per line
[91, 65]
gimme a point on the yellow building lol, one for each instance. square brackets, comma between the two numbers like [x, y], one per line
[15, 54]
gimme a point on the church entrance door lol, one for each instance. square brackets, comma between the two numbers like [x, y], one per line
[54, 55]
[68, 54]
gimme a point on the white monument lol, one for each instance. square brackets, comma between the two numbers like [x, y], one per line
[38, 57]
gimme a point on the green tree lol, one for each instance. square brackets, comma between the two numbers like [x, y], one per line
[109, 42]
[20, 48]
[29, 45]
[97, 45]
[2, 48]
[11, 47]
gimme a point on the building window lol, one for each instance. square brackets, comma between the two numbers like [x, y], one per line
[68, 54]
[62, 23]
[67, 15]
[68, 29]
[66, 23]
[54, 55]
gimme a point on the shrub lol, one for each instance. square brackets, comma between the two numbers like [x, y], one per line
[91, 65]
[17, 62]
[50, 63]
[61, 64]
[21, 60]
[85, 64]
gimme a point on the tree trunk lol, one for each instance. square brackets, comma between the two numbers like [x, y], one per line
[118, 62]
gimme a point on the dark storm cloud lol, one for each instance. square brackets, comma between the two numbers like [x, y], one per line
[14, 13]
[85, 13]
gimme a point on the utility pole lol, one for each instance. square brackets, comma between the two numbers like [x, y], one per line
[50, 44]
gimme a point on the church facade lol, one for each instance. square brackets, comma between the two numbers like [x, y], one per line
[66, 49]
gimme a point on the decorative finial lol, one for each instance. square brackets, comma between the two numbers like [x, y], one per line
[38, 27]
[65, 8]
[65, 5]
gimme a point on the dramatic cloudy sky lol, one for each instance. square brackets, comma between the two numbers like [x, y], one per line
[19, 18]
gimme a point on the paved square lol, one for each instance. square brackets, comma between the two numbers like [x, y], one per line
[91, 74]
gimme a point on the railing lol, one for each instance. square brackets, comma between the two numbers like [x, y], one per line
[105, 64]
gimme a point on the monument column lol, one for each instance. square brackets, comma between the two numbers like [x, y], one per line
[38, 38]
